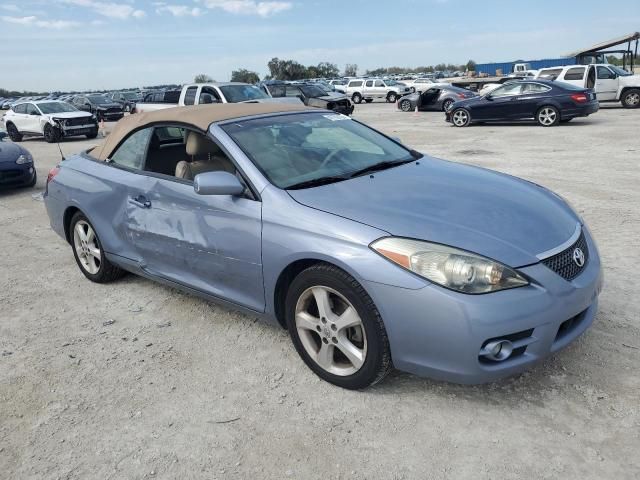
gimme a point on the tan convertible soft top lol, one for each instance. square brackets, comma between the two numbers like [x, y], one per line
[198, 116]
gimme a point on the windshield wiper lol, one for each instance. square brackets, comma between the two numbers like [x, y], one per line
[316, 182]
[376, 167]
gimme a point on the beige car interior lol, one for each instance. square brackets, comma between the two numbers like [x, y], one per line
[193, 155]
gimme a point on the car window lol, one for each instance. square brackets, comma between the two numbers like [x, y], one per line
[131, 153]
[190, 96]
[357, 83]
[21, 108]
[276, 90]
[208, 91]
[507, 90]
[576, 73]
[293, 91]
[604, 73]
[31, 109]
[379, 83]
[552, 72]
[534, 88]
[369, 83]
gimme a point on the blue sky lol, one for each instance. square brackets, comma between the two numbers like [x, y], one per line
[82, 44]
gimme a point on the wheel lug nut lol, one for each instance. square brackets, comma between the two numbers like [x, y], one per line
[318, 328]
[334, 340]
[324, 320]
[333, 327]
[324, 340]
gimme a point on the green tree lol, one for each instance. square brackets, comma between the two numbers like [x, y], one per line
[471, 66]
[350, 70]
[245, 76]
[202, 78]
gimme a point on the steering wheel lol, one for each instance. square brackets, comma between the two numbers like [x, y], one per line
[331, 156]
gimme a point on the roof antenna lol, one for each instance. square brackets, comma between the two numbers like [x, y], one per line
[61, 154]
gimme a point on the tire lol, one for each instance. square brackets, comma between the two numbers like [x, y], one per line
[92, 135]
[314, 333]
[392, 97]
[13, 133]
[446, 104]
[368, 100]
[51, 133]
[95, 266]
[356, 98]
[631, 98]
[460, 117]
[548, 116]
[405, 105]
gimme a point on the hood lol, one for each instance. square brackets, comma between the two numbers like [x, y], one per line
[105, 106]
[631, 80]
[9, 152]
[292, 100]
[501, 217]
[69, 115]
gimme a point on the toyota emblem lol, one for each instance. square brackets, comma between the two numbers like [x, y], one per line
[578, 257]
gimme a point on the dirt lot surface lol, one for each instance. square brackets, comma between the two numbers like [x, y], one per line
[134, 380]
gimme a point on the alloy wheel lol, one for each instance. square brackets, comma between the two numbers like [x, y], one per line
[331, 330]
[405, 106]
[87, 248]
[633, 99]
[547, 116]
[460, 118]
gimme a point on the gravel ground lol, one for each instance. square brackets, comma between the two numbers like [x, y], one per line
[135, 380]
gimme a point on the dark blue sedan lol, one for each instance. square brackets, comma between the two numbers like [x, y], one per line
[547, 102]
[16, 166]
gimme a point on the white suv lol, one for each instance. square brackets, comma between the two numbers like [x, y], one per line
[49, 118]
[368, 89]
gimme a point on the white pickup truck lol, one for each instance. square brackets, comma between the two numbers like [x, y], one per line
[611, 83]
[204, 93]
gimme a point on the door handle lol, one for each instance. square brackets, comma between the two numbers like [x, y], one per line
[140, 201]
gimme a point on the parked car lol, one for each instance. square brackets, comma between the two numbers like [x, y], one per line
[370, 253]
[16, 165]
[420, 84]
[127, 100]
[100, 106]
[368, 89]
[311, 95]
[611, 83]
[436, 98]
[223, 92]
[547, 102]
[51, 119]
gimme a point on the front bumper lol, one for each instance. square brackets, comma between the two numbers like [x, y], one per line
[14, 175]
[438, 333]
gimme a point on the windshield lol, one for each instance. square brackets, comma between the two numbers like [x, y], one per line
[305, 147]
[620, 71]
[242, 93]
[98, 99]
[312, 91]
[56, 107]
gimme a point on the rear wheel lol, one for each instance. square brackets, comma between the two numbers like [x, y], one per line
[405, 105]
[356, 98]
[460, 117]
[392, 97]
[548, 116]
[631, 98]
[92, 135]
[88, 252]
[51, 133]
[336, 328]
[446, 104]
[13, 133]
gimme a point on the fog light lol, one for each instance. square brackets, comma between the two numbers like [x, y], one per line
[498, 350]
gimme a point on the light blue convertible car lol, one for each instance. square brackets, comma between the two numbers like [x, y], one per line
[370, 253]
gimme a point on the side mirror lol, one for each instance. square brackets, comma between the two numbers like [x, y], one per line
[207, 98]
[217, 183]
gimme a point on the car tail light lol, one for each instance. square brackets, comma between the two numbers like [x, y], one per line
[579, 97]
[461, 95]
[52, 173]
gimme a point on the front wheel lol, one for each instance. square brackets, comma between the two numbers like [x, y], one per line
[392, 97]
[51, 133]
[631, 98]
[92, 135]
[460, 117]
[336, 328]
[405, 105]
[88, 252]
[446, 104]
[548, 116]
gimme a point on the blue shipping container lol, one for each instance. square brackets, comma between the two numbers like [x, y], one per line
[507, 67]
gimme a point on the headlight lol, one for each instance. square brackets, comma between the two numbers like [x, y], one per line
[24, 158]
[450, 267]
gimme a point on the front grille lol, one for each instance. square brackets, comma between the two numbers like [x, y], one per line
[564, 264]
[10, 174]
[74, 122]
[113, 110]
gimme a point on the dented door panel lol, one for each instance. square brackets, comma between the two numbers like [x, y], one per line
[209, 242]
